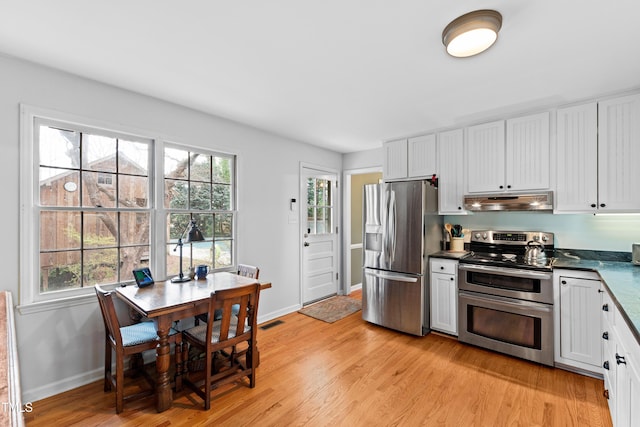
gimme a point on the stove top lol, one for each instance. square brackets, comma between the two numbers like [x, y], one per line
[507, 249]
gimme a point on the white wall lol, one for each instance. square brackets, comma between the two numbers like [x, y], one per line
[62, 349]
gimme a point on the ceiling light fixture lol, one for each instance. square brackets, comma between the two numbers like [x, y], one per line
[472, 33]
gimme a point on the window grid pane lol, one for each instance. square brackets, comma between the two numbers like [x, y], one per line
[80, 240]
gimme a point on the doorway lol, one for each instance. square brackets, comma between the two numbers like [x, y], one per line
[355, 180]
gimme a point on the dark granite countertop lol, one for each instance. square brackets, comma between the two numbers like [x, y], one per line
[620, 276]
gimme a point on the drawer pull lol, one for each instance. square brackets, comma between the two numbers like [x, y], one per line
[605, 365]
[620, 360]
[605, 335]
[605, 307]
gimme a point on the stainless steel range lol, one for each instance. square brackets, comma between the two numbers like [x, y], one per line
[505, 298]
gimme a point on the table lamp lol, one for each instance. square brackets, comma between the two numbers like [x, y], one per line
[193, 234]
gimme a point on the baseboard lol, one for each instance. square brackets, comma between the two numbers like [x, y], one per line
[58, 387]
[279, 313]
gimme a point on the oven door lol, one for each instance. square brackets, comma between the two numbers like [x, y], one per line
[519, 328]
[507, 282]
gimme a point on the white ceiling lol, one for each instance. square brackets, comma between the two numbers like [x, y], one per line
[342, 74]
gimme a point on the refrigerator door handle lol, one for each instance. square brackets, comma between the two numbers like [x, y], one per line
[392, 226]
[396, 277]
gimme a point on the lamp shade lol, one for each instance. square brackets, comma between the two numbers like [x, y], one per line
[472, 33]
[193, 234]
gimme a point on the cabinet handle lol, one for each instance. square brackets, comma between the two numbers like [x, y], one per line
[501, 187]
[593, 205]
[606, 394]
[564, 282]
[459, 208]
[605, 307]
[620, 360]
[442, 267]
[451, 278]
[605, 335]
[605, 365]
[602, 205]
[508, 186]
[600, 291]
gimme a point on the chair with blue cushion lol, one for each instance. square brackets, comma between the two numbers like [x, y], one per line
[129, 341]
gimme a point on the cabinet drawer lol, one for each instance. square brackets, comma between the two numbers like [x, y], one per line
[445, 266]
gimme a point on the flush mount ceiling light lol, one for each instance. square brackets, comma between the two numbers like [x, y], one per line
[472, 33]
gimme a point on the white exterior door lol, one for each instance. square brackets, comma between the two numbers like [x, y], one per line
[319, 219]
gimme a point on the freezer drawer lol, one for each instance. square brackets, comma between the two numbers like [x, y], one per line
[394, 300]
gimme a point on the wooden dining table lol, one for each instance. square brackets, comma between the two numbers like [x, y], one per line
[166, 302]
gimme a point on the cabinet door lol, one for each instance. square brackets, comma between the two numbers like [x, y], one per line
[527, 153]
[451, 172]
[422, 156]
[580, 328]
[577, 159]
[395, 159]
[627, 366]
[619, 154]
[444, 303]
[485, 157]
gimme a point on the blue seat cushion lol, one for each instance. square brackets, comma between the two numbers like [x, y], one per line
[217, 315]
[139, 333]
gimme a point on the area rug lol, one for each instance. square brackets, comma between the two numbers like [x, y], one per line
[332, 309]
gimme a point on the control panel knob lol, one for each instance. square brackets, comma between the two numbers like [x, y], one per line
[477, 236]
[544, 238]
[484, 236]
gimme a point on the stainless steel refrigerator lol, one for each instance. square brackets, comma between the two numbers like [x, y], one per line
[401, 227]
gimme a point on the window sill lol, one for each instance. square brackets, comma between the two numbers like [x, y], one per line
[56, 304]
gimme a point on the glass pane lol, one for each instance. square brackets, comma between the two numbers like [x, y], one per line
[323, 192]
[204, 222]
[201, 168]
[202, 253]
[200, 196]
[175, 163]
[323, 222]
[59, 187]
[173, 259]
[59, 230]
[175, 194]
[59, 271]
[311, 192]
[222, 197]
[98, 189]
[223, 254]
[133, 157]
[99, 229]
[100, 266]
[59, 147]
[133, 191]
[222, 170]
[311, 220]
[223, 225]
[134, 228]
[177, 225]
[98, 153]
[132, 258]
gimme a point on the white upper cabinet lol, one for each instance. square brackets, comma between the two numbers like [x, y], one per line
[451, 172]
[518, 162]
[485, 157]
[395, 159]
[411, 158]
[577, 158]
[527, 153]
[619, 154]
[598, 152]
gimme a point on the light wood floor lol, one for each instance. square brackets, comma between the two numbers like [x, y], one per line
[351, 373]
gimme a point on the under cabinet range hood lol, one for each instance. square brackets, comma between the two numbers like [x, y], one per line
[542, 201]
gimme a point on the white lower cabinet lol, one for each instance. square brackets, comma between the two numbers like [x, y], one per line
[621, 367]
[444, 295]
[578, 323]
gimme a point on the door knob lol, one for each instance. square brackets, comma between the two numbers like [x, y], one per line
[306, 243]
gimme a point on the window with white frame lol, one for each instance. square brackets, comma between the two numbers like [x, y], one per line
[199, 186]
[90, 211]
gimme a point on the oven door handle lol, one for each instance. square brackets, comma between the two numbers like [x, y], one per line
[505, 271]
[507, 303]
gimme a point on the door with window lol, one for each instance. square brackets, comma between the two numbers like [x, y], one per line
[320, 252]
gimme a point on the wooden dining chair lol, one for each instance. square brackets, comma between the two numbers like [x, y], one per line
[226, 336]
[129, 341]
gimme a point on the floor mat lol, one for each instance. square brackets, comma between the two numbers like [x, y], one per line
[332, 309]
